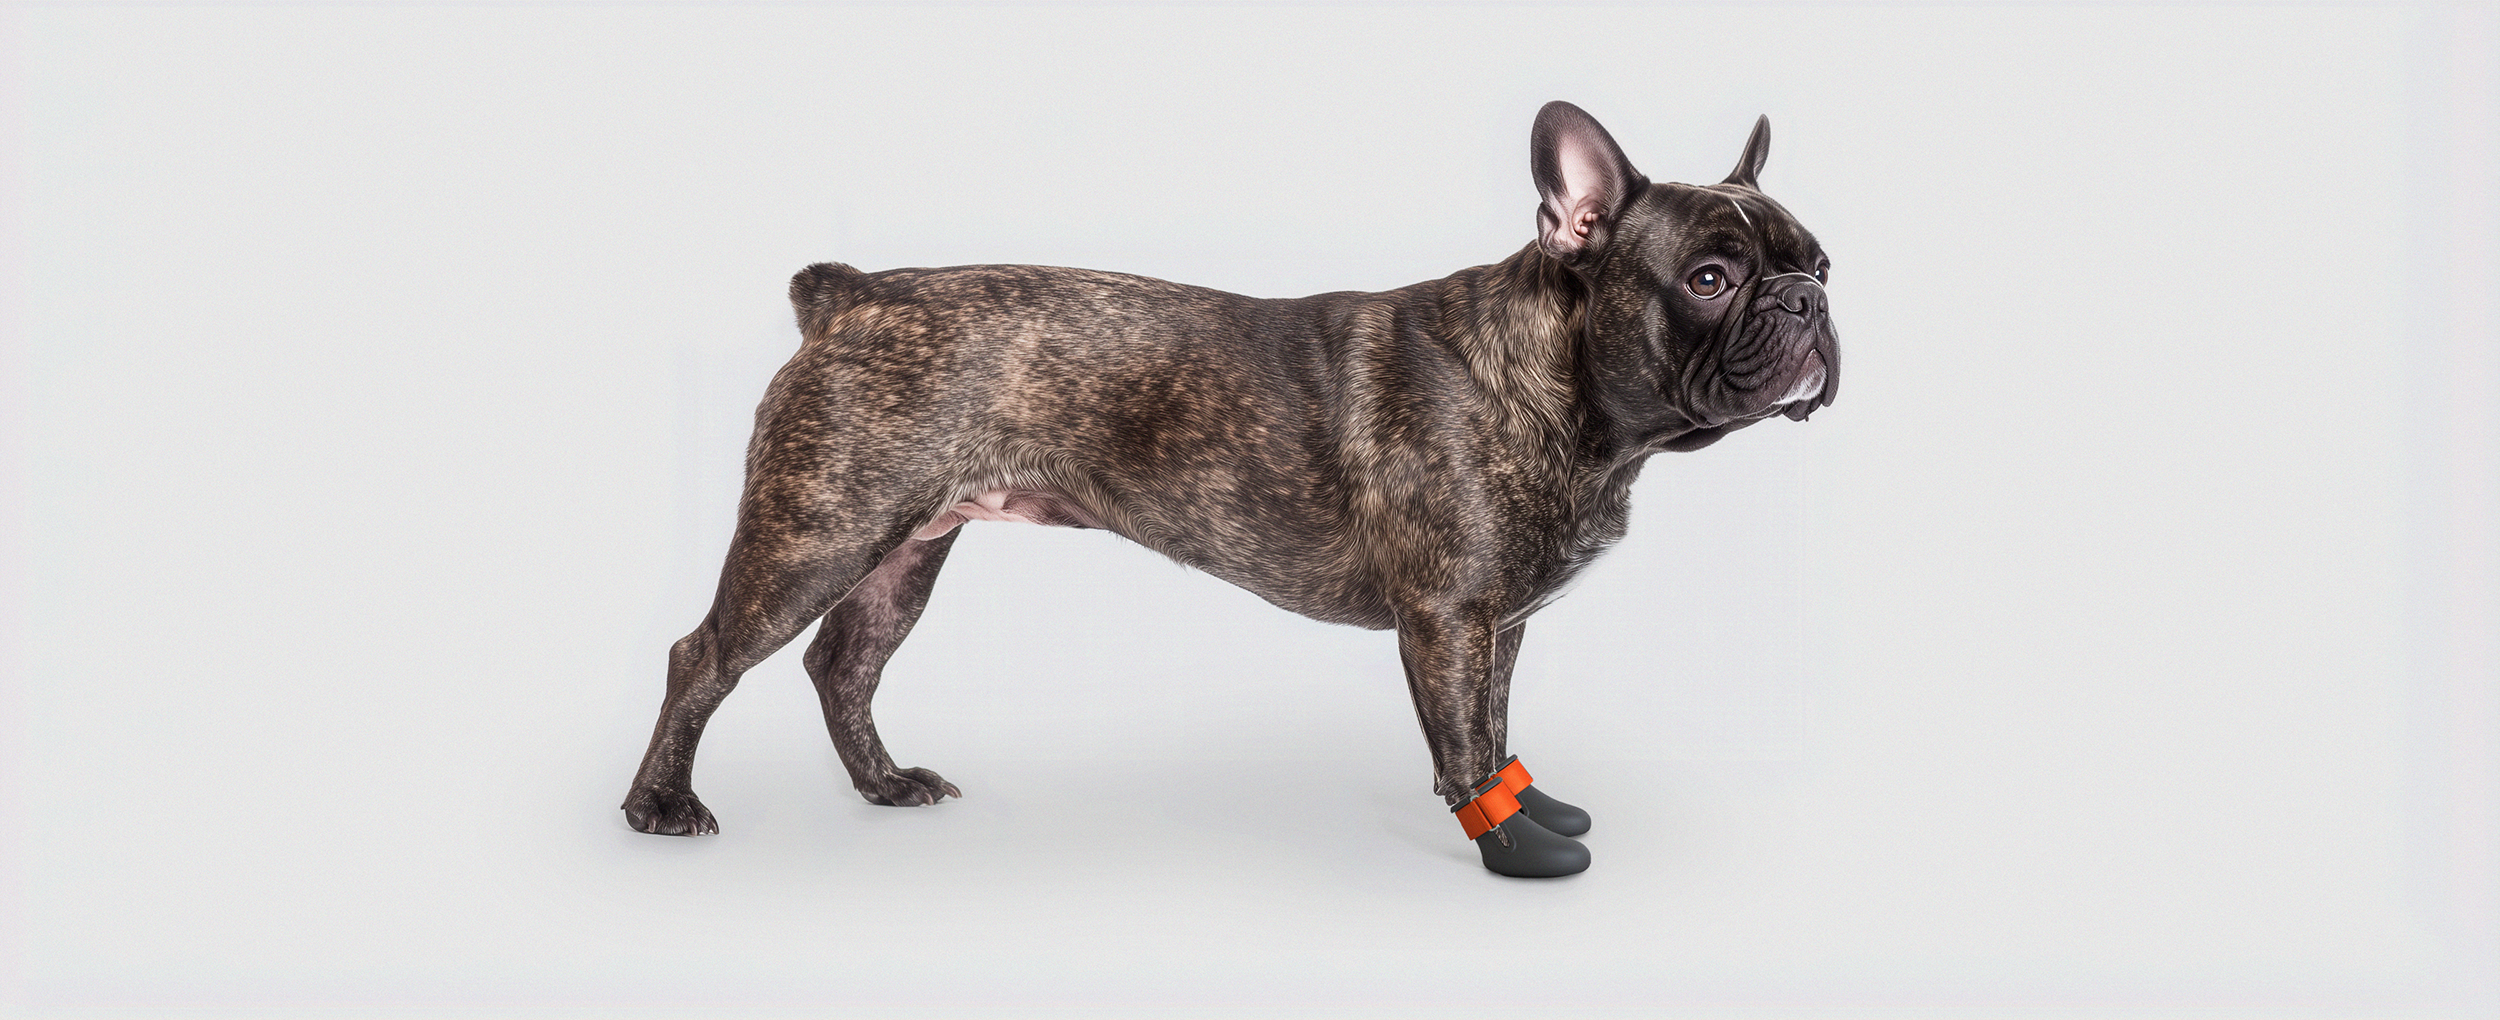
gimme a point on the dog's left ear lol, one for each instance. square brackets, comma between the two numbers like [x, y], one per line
[1583, 178]
[1757, 152]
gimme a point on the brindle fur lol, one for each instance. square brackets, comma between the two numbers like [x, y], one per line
[1440, 459]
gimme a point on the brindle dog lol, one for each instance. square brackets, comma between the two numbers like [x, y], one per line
[1440, 459]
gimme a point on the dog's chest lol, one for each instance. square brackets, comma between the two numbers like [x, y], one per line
[1582, 529]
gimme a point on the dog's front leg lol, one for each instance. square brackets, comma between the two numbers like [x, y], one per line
[1497, 691]
[1554, 815]
[1458, 671]
[1449, 656]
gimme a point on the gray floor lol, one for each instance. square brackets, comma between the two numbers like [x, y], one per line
[2120, 643]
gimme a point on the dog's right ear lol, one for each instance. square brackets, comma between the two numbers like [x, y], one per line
[1583, 178]
[1757, 152]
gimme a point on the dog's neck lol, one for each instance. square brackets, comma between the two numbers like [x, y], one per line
[1518, 325]
[1522, 326]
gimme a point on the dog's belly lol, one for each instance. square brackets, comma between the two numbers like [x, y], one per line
[1022, 506]
[1310, 589]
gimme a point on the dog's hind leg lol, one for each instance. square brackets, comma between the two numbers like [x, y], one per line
[849, 654]
[777, 580]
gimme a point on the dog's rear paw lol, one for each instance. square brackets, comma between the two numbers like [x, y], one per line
[908, 788]
[668, 813]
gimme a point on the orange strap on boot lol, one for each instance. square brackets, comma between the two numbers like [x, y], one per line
[1494, 800]
[1514, 776]
[1488, 805]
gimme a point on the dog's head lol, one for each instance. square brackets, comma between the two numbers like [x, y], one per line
[1706, 303]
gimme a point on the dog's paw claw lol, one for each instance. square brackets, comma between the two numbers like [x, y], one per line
[669, 813]
[909, 788]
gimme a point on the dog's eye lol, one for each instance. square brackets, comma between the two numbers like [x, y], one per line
[1706, 282]
[1822, 273]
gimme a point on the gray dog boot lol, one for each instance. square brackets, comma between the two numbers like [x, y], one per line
[1557, 817]
[1511, 842]
[1520, 848]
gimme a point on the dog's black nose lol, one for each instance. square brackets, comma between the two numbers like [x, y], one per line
[1798, 295]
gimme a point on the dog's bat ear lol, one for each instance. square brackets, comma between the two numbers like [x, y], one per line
[1757, 152]
[1583, 178]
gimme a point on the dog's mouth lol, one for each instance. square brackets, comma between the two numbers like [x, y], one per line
[1813, 388]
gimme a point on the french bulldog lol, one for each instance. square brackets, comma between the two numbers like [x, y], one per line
[1439, 460]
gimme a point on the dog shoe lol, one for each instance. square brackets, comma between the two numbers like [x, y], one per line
[1512, 843]
[1557, 817]
[1520, 848]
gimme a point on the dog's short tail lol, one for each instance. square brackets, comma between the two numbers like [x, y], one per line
[818, 292]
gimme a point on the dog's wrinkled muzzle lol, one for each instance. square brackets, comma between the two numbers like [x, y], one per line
[1779, 356]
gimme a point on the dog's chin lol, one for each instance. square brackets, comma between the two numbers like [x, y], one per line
[1799, 398]
[1806, 393]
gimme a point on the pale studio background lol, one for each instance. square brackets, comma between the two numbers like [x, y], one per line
[2119, 642]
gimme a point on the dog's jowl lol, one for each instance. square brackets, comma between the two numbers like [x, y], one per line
[1438, 460]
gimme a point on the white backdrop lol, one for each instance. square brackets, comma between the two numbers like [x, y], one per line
[2120, 640]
